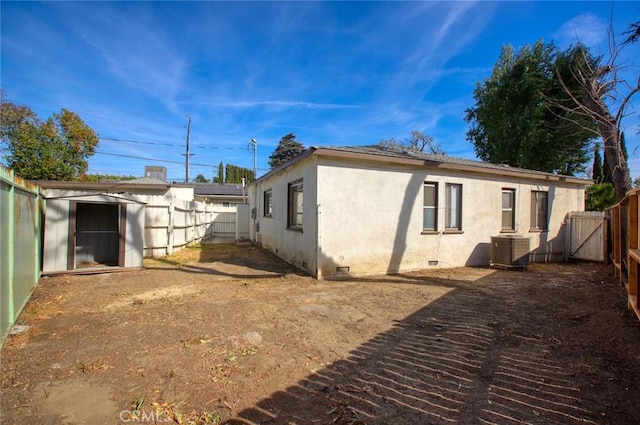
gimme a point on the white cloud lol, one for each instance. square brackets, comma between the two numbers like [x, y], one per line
[136, 51]
[275, 103]
[586, 28]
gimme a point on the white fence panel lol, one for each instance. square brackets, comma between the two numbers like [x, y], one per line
[586, 235]
[224, 222]
[171, 224]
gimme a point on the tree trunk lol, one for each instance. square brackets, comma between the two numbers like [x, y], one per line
[610, 133]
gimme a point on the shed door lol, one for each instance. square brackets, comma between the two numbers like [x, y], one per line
[97, 231]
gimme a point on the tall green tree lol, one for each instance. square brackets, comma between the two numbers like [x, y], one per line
[518, 119]
[55, 149]
[597, 173]
[235, 174]
[287, 148]
[220, 178]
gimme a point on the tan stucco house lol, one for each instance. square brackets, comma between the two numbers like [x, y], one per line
[373, 210]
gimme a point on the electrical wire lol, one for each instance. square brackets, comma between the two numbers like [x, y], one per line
[169, 144]
[153, 159]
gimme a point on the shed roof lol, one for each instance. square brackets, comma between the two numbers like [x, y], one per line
[383, 154]
[111, 186]
[102, 198]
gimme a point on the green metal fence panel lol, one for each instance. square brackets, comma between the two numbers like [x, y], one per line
[21, 209]
[6, 264]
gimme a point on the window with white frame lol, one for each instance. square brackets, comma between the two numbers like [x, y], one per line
[430, 207]
[453, 206]
[539, 210]
[508, 209]
[294, 219]
[267, 204]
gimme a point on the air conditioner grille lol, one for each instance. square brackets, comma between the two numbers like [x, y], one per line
[510, 251]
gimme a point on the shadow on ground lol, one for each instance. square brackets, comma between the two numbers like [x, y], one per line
[233, 260]
[453, 361]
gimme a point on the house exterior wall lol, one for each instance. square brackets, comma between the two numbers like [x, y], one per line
[294, 246]
[371, 217]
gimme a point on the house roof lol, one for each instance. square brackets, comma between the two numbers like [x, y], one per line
[217, 189]
[384, 154]
[145, 180]
[103, 198]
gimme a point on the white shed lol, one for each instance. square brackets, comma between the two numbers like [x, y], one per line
[90, 232]
[370, 210]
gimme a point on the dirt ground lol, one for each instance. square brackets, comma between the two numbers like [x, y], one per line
[230, 334]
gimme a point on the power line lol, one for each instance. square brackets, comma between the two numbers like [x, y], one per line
[169, 144]
[152, 159]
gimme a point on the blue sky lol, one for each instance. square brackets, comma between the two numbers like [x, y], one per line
[333, 73]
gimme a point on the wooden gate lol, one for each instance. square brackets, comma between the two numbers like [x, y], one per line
[586, 231]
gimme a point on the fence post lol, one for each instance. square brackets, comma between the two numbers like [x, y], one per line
[11, 222]
[170, 228]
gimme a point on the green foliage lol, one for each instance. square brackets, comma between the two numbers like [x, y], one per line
[55, 149]
[96, 178]
[597, 174]
[416, 142]
[220, 177]
[600, 197]
[200, 179]
[623, 147]
[287, 149]
[235, 174]
[519, 118]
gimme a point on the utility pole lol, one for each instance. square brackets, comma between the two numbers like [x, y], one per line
[187, 154]
[254, 145]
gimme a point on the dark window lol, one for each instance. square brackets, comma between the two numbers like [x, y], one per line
[539, 210]
[267, 205]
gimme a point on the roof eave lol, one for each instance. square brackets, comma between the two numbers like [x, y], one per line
[450, 166]
[102, 186]
[305, 154]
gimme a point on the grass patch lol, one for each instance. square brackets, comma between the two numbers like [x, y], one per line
[198, 253]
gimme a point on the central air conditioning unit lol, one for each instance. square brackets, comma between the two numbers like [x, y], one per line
[510, 251]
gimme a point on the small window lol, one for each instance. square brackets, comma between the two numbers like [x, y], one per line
[539, 210]
[453, 207]
[430, 207]
[508, 209]
[294, 218]
[267, 206]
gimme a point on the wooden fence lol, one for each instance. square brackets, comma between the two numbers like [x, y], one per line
[586, 235]
[21, 210]
[625, 248]
[171, 224]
